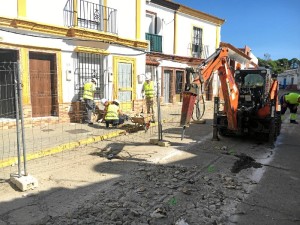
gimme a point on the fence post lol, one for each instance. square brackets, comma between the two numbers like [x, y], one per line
[158, 108]
[215, 126]
[17, 122]
[22, 117]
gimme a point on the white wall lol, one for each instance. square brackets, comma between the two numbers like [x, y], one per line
[288, 75]
[46, 11]
[126, 17]
[166, 21]
[185, 26]
[8, 8]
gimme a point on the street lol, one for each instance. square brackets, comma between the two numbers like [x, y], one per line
[194, 181]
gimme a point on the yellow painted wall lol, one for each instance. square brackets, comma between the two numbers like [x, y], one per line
[218, 36]
[21, 8]
[138, 19]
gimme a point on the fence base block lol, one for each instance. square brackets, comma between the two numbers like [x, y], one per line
[24, 183]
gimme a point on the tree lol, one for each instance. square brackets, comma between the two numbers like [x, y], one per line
[294, 63]
[280, 65]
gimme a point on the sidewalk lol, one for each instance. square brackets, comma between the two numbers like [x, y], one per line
[49, 139]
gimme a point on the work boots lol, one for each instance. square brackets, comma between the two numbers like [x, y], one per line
[293, 121]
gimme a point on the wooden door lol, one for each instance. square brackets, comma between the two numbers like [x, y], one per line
[42, 85]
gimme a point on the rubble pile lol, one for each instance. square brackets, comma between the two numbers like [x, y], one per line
[162, 195]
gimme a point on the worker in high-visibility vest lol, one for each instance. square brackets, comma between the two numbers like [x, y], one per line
[114, 114]
[104, 102]
[291, 101]
[148, 89]
[89, 89]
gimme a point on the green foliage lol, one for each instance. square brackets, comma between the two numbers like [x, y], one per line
[279, 65]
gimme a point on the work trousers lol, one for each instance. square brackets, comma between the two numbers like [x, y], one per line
[150, 108]
[89, 108]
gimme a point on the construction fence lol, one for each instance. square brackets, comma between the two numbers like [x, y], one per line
[36, 135]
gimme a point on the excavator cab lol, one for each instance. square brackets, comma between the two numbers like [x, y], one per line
[253, 85]
[257, 111]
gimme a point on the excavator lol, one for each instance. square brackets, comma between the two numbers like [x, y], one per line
[247, 103]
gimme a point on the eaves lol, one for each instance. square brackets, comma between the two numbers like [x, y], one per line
[189, 11]
[65, 32]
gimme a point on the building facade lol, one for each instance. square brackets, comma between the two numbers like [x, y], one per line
[181, 37]
[61, 44]
[290, 79]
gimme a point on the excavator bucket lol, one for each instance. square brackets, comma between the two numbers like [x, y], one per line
[188, 103]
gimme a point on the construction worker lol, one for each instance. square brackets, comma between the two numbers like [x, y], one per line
[105, 103]
[291, 101]
[148, 89]
[113, 114]
[89, 89]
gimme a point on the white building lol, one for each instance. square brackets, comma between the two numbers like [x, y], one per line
[290, 79]
[181, 37]
[59, 45]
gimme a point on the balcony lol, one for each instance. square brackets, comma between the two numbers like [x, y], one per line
[155, 42]
[91, 16]
[199, 51]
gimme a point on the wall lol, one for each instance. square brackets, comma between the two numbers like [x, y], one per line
[8, 8]
[51, 12]
[185, 26]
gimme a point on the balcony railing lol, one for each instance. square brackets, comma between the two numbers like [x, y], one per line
[155, 42]
[199, 51]
[90, 15]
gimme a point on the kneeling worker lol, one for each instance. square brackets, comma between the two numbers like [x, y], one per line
[291, 101]
[104, 103]
[113, 114]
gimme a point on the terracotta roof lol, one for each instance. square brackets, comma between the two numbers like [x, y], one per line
[151, 61]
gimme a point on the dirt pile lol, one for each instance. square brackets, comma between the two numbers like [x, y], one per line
[161, 195]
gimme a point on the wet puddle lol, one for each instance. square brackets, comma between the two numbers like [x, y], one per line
[244, 162]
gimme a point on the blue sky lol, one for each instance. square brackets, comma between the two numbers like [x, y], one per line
[266, 26]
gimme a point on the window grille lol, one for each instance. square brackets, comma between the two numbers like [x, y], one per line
[89, 66]
[197, 42]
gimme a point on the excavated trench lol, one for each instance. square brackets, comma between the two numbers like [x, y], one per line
[244, 162]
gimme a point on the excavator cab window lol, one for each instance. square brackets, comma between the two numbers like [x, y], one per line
[253, 80]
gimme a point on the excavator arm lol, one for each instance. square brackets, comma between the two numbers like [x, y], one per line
[219, 62]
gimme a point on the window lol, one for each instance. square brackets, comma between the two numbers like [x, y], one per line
[197, 42]
[89, 66]
[150, 23]
[253, 80]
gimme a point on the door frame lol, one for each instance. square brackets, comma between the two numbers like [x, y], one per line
[129, 60]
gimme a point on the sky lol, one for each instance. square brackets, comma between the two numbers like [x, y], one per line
[266, 26]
